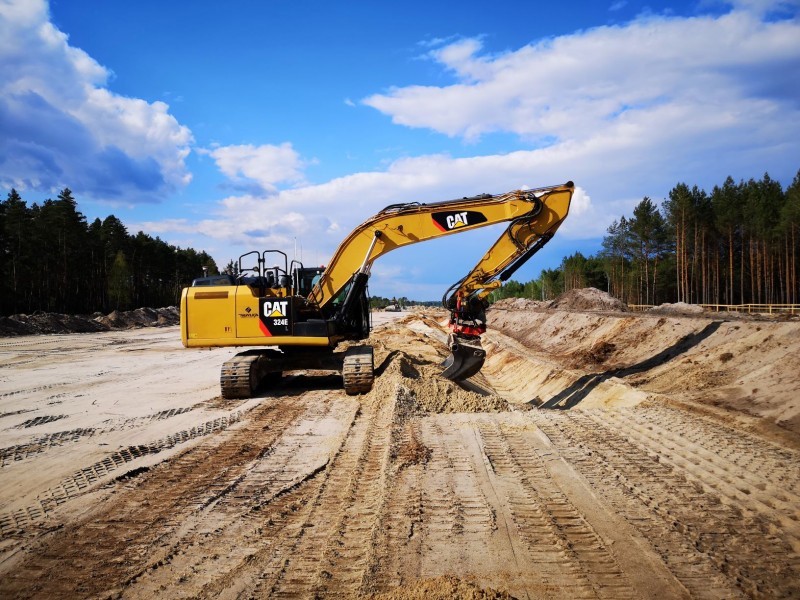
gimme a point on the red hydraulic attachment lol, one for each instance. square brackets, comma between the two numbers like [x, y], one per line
[466, 353]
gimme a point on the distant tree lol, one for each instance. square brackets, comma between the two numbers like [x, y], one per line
[727, 205]
[71, 251]
[616, 255]
[119, 282]
[552, 283]
[649, 243]
[533, 290]
[51, 259]
[574, 271]
[231, 268]
[17, 248]
[512, 289]
[680, 214]
[790, 228]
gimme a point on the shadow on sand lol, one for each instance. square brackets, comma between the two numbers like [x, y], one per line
[583, 386]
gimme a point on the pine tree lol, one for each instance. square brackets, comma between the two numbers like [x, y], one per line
[18, 247]
[727, 205]
[119, 282]
[648, 232]
[790, 228]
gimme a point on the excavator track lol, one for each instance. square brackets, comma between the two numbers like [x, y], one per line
[242, 374]
[358, 370]
[239, 376]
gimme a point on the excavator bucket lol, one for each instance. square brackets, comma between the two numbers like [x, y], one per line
[466, 358]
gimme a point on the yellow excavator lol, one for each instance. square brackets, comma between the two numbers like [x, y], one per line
[296, 316]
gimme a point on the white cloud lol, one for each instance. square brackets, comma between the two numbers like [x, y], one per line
[319, 216]
[575, 86]
[267, 165]
[61, 126]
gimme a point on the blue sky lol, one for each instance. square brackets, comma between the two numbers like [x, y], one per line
[263, 124]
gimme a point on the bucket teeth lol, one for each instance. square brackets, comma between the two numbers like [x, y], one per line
[466, 358]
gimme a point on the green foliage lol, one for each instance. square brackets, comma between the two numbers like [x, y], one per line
[740, 244]
[119, 282]
[51, 259]
[381, 303]
[549, 285]
[577, 271]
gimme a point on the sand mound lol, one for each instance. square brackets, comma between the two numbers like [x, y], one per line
[417, 384]
[519, 304]
[678, 308]
[168, 316]
[441, 588]
[588, 299]
[48, 323]
[439, 395]
[41, 322]
[14, 326]
[141, 317]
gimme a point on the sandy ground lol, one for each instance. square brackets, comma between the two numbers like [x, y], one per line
[597, 455]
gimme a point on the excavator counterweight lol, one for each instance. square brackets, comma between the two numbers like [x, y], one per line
[297, 316]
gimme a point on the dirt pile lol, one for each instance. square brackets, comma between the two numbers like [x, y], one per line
[438, 395]
[408, 365]
[588, 299]
[41, 322]
[417, 384]
[678, 308]
[48, 323]
[519, 304]
[141, 317]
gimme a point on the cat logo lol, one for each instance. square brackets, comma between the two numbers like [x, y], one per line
[451, 220]
[457, 220]
[275, 316]
[275, 309]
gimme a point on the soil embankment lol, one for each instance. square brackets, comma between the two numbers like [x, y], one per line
[747, 367]
[43, 322]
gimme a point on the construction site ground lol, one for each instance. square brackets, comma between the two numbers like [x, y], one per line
[598, 454]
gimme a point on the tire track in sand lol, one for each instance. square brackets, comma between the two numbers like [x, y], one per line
[741, 488]
[221, 551]
[110, 546]
[567, 554]
[331, 557]
[714, 548]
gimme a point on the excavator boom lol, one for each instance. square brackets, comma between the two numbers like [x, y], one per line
[531, 214]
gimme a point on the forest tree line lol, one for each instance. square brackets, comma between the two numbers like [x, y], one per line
[52, 260]
[738, 244]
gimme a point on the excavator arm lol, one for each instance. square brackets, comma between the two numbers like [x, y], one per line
[533, 217]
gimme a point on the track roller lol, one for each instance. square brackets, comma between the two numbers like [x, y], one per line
[358, 370]
[242, 374]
